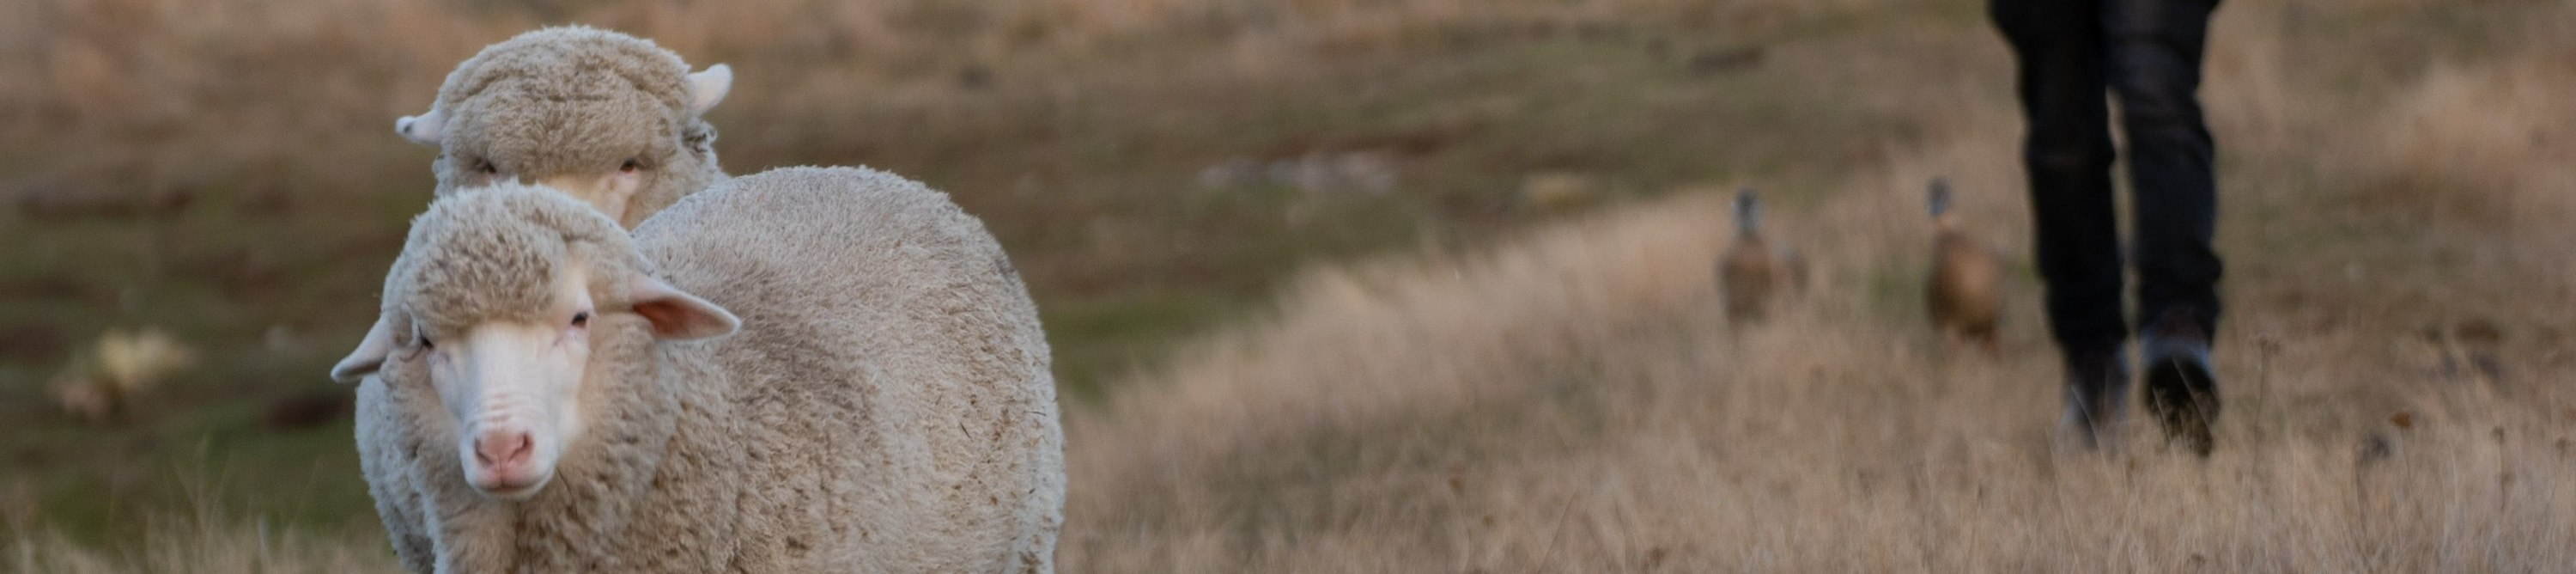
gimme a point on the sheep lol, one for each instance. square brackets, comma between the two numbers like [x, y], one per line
[609, 118]
[856, 383]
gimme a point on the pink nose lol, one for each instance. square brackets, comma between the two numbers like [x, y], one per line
[504, 452]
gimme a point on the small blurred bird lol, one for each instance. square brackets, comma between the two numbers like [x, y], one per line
[1752, 274]
[1965, 288]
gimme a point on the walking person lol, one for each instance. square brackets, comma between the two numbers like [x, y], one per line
[2072, 55]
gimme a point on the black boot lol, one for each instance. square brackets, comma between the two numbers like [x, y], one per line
[2097, 392]
[2182, 390]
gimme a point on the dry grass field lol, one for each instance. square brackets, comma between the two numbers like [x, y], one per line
[1439, 377]
[1572, 401]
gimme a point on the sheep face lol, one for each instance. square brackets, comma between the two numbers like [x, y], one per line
[512, 388]
[608, 118]
[509, 315]
[600, 141]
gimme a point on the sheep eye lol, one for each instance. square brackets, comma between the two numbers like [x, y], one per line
[630, 166]
[581, 319]
[489, 169]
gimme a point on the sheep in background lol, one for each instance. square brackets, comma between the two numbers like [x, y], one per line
[544, 394]
[609, 118]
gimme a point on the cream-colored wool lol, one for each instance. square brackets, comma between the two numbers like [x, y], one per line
[571, 107]
[886, 406]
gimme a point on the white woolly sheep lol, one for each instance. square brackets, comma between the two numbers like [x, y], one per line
[609, 118]
[542, 393]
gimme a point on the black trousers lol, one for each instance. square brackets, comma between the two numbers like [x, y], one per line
[2147, 53]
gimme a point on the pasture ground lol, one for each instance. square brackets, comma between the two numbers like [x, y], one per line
[1445, 375]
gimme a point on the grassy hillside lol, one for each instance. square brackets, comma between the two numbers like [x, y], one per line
[1464, 376]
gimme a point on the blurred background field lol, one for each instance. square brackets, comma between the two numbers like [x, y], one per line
[1372, 285]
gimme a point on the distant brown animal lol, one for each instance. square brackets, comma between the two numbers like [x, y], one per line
[1965, 288]
[1753, 274]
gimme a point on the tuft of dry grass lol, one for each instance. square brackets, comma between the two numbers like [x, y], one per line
[204, 539]
[197, 547]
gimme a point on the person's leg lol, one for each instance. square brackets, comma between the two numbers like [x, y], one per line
[2058, 46]
[2155, 49]
[2155, 52]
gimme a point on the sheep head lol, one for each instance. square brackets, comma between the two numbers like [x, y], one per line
[611, 119]
[511, 307]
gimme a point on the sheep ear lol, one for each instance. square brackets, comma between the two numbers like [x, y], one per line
[369, 356]
[676, 314]
[707, 87]
[425, 129]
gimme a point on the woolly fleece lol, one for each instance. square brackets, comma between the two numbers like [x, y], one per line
[576, 100]
[887, 405]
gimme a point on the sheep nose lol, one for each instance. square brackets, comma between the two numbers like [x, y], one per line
[503, 450]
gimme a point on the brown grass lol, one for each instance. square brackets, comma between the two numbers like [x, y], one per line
[1570, 401]
[204, 540]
